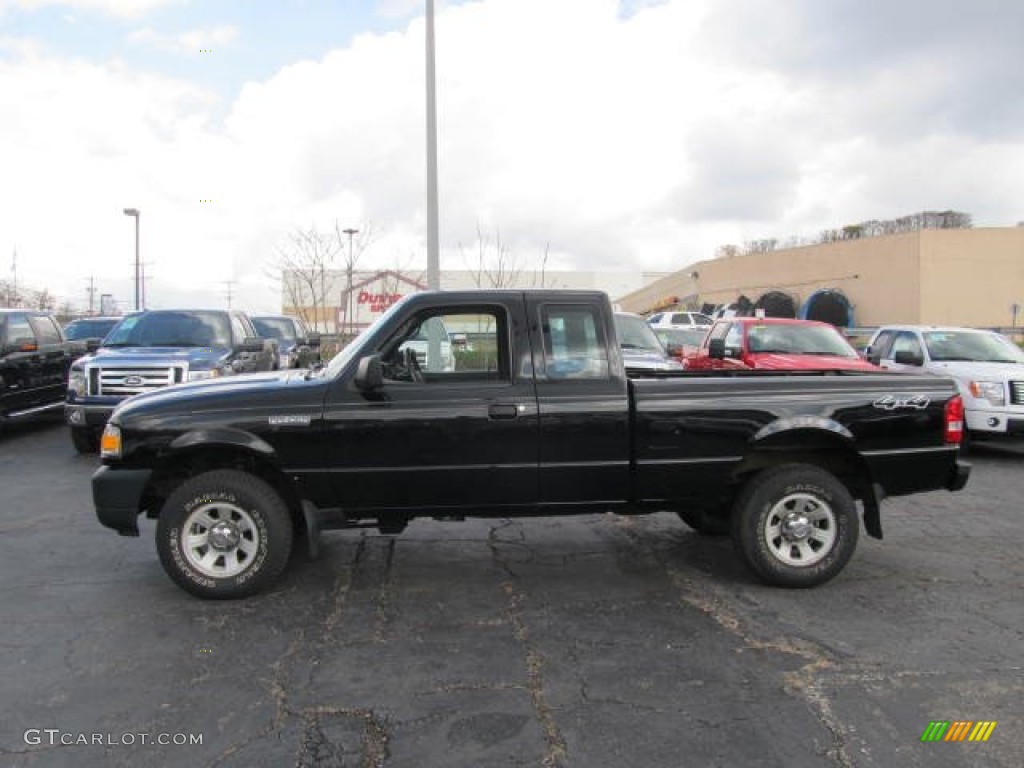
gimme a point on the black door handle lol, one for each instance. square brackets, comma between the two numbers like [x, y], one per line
[498, 411]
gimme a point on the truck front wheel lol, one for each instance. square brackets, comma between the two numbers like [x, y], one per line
[224, 534]
[795, 525]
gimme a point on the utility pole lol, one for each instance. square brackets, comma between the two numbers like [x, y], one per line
[433, 247]
[91, 290]
[134, 213]
[348, 297]
[229, 283]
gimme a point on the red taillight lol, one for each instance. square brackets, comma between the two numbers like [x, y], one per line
[954, 419]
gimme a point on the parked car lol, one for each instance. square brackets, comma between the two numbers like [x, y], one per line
[775, 343]
[418, 342]
[296, 346]
[89, 328]
[681, 343]
[154, 349]
[680, 319]
[237, 470]
[35, 358]
[987, 367]
[641, 350]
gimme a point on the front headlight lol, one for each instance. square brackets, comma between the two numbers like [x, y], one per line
[992, 391]
[212, 373]
[110, 443]
[77, 383]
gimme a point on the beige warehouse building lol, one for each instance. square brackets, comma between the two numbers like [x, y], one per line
[969, 277]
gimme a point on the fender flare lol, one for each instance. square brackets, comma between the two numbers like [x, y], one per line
[207, 438]
[792, 423]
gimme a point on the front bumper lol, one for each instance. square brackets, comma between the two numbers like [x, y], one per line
[93, 416]
[117, 496]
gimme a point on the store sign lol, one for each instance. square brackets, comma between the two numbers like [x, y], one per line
[377, 302]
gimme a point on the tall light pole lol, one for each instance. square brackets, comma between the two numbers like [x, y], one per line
[433, 248]
[134, 213]
[348, 296]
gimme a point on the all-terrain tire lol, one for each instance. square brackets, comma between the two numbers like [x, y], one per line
[795, 525]
[224, 534]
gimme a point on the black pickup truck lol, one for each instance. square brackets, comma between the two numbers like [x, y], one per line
[534, 415]
[35, 358]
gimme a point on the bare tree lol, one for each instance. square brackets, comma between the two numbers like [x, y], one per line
[302, 262]
[495, 267]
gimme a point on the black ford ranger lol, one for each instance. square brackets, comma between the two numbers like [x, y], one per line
[533, 413]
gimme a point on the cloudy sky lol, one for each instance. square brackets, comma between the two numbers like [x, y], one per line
[615, 134]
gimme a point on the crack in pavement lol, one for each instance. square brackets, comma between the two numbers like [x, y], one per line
[803, 683]
[384, 597]
[556, 751]
[314, 748]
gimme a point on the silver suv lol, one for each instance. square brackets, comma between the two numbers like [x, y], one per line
[681, 319]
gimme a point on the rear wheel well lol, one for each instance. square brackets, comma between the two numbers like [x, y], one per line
[831, 453]
[195, 461]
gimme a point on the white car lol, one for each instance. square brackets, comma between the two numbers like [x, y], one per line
[679, 319]
[987, 367]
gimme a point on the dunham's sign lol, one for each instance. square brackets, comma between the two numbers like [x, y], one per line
[377, 302]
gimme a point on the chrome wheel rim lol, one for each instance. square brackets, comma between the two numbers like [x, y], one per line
[220, 540]
[800, 529]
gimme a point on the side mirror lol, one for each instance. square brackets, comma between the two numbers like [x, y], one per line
[906, 357]
[313, 340]
[91, 345]
[252, 344]
[369, 375]
[716, 349]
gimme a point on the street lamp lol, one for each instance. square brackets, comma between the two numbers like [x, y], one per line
[134, 213]
[348, 299]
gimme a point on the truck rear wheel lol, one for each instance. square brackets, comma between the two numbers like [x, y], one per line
[795, 525]
[224, 534]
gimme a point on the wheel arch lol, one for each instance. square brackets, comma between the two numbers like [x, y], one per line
[188, 458]
[817, 443]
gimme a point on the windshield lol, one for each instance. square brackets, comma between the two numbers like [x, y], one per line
[797, 339]
[635, 334]
[974, 346]
[681, 336]
[280, 328]
[88, 329]
[354, 347]
[171, 329]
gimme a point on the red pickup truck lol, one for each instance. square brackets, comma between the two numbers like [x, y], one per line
[775, 344]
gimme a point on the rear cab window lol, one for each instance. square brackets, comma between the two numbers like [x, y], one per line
[575, 345]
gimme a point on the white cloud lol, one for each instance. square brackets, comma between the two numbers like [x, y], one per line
[614, 140]
[192, 42]
[121, 8]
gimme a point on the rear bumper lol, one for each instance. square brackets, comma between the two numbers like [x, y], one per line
[958, 476]
[117, 496]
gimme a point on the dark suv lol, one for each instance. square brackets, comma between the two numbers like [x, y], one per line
[296, 346]
[89, 328]
[158, 348]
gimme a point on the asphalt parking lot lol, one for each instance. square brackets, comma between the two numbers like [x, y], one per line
[591, 641]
